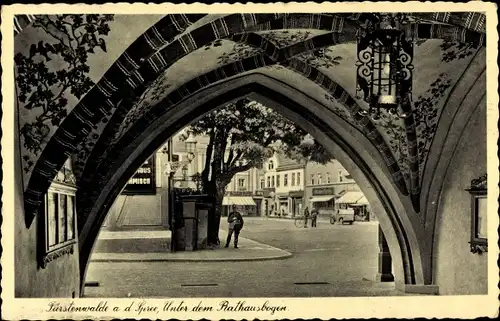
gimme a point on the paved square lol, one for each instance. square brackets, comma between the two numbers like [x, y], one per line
[330, 260]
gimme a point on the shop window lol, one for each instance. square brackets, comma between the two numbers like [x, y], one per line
[285, 180]
[278, 178]
[293, 179]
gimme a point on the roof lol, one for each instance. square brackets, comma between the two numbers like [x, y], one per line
[285, 162]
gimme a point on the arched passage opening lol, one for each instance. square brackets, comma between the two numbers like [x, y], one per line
[353, 150]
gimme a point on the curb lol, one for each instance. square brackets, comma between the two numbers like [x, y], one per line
[269, 258]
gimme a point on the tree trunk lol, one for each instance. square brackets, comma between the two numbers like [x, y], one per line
[215, 218]
[213, 232]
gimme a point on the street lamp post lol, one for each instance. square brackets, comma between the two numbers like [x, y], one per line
[190, 145]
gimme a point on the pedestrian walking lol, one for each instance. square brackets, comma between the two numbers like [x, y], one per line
[235, 221]
[314, 217]
[306, 216]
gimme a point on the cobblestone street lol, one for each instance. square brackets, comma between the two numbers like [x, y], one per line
[330, 260]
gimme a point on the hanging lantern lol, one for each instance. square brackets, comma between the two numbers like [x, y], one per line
[384, 66]
[190, 145]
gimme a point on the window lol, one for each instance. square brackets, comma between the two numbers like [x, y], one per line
[272, 180]
[56, 223]
[261, 183]
[271, 165]
[312, 179]
[479, 213]
[341, 177]
[285, 180]
[319, 178]
[293, 179]
[298, 178]
[268, 181]
[277, 181]
[328, 178]
[241, 182]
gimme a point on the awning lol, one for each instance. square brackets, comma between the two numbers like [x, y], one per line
[321, 198]
[363, 201]
[350, 198]
[238, 200]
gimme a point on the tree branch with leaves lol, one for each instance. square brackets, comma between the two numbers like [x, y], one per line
[44, 88]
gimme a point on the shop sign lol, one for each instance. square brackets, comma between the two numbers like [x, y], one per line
[323, 191]
[143, 181]
[296, 193]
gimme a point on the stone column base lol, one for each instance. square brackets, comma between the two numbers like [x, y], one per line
[384, 260]
[384, 277]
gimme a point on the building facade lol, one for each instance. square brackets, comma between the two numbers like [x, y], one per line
[243, 193]
[283, 185]
[330, 187]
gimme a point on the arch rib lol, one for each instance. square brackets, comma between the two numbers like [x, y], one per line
[236, 68]
[78, 124]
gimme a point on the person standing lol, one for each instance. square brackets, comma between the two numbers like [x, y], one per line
[314, 217]
[306, 216]
[235, 221]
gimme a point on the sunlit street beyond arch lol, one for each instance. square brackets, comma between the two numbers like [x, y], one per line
[331, 260]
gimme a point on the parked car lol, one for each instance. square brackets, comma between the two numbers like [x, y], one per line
[343, 216]
[326, 212]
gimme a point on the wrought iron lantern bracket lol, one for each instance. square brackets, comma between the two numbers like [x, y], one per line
[384, 66]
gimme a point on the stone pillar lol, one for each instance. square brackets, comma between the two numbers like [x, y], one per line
[384, 259]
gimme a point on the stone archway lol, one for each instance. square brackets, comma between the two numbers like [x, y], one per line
[107, 93]
[141, 63]
[377, 184]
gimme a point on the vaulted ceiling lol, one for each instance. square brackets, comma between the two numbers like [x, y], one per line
[87, 85]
